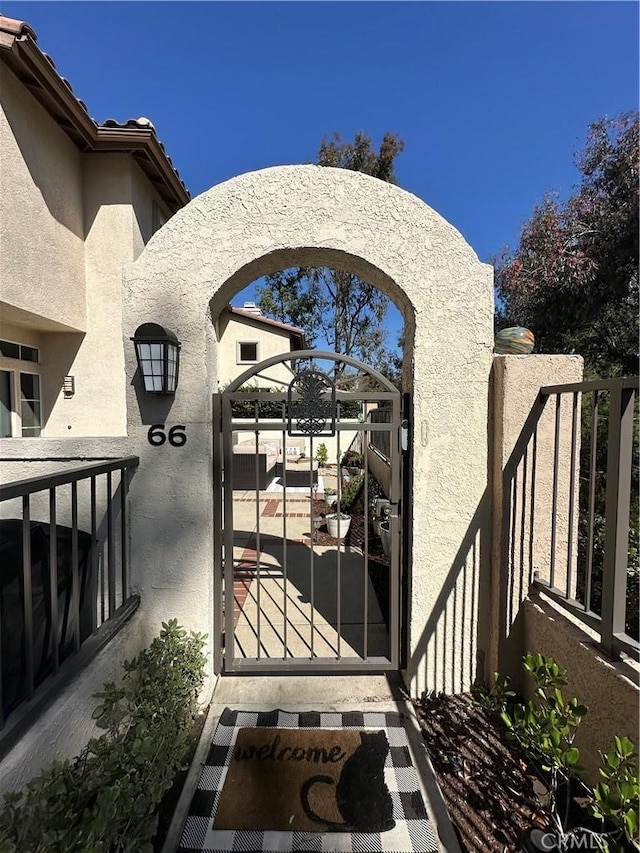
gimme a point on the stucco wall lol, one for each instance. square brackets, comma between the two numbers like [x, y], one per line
[303, 215]
[518, 547]
[42, 258]
[611, 694]
[97, 362]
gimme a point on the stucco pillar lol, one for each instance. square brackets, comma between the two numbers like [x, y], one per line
[521, 532]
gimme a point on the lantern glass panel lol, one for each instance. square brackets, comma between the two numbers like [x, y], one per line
[172, 358]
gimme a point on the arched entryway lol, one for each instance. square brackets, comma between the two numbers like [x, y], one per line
[307, 540]
[289, 216]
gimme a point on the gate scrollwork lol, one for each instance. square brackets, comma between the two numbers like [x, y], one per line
[311, 408]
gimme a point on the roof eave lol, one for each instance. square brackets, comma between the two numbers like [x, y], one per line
[40, 77]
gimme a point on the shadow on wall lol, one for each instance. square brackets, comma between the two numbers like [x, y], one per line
[475, 623]
[59, 351]
[458, 619]
[153, 408]
[57, 185]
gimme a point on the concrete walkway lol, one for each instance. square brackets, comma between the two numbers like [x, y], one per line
[289, 617]
[316, 693]
[292, 597]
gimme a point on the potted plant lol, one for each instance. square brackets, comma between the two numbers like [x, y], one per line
[350, 498]
[338, 524]
[352, 461]
[546, 728]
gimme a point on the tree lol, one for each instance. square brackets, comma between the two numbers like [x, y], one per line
[348, 311]
[573, 279]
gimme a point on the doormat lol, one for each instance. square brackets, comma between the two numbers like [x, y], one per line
[311, 780]
[279, 780]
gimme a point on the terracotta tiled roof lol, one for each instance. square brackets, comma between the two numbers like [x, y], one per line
[37, 71]
[258, 318]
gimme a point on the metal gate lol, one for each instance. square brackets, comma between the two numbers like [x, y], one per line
[307, 530]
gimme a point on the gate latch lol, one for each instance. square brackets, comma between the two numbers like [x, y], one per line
[404, 434]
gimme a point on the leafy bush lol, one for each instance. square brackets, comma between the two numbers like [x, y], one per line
[105, 800]
[266, 408]
[349, 495]
[546, 728]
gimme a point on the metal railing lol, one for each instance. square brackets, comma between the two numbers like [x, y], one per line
[380, 441]
[594, 494]
[64, 583]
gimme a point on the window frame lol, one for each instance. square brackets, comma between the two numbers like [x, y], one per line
[14, 421]
[240, 360]
[20, 348]
[15, 389]
[18, 399]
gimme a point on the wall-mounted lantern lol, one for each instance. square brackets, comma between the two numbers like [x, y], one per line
[158, 355]
[69, 387]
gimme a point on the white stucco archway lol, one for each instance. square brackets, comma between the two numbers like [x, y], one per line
[299, 215]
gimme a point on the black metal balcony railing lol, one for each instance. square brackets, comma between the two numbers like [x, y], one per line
[64, 580]
[597, 579]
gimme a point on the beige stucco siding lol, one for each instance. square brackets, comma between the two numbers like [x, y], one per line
[270, 340]
[41, 211]
[307, 215]
[609, 690]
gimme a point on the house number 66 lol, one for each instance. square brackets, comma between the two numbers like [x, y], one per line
[177, 437]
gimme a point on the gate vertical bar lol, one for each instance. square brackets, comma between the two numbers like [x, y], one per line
[365, 453]
[394, 592]
[227, 450]
[218, 526]
[340, 525]
[311, 550]
[258, 543]
[284, 530]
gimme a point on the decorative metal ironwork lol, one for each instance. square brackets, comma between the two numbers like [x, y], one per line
[311, 408]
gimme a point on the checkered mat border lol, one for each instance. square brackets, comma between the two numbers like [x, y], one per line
[412, 834]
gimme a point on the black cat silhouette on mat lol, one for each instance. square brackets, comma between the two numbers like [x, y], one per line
[361, 794]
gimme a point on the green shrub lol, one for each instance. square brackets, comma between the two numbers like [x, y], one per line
[322, 455]
[351, 493]
[546, 728]
[105, 800]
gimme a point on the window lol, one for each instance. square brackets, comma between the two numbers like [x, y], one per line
[20, 405]
[247, 352]
[9, 349]
[30, 405]
[6, 407]
[158, 218]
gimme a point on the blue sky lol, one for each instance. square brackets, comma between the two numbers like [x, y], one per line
[491, 99]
